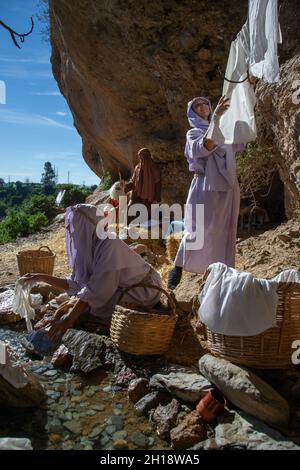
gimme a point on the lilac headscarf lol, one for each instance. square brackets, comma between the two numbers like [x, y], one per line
[193, 118]
[81, 221]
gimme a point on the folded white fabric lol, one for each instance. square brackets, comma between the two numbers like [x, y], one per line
[238, 304]
[15, 443]
[24, 303]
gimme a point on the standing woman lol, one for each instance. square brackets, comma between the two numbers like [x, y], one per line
[145, 182]
[214, 185]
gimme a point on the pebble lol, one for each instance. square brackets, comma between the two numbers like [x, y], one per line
[98, 407]
[91, 413]
[120, 444]
[119, 435]
[55, 438]
[73, 426]
[51, 373]
[110, 429]
[96, 431]
[89, 393]
[116, 421]
[139, 439]
[104, 440]
[107, 389]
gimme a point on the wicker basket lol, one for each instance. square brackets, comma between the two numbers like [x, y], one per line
[271, 349]
[36, 261]
[139, 332]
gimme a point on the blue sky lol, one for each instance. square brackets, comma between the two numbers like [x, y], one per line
[36, 124]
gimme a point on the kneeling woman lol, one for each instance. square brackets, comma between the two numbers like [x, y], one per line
[101, 269]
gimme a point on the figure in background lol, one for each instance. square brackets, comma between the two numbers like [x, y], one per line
[215, 186]
[145, 182]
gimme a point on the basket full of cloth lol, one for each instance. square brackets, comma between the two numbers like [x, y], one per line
[36, 261]
[140, 331]
[250, 321]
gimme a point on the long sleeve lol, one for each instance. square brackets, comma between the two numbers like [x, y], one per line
[195, 150]
[100, 288]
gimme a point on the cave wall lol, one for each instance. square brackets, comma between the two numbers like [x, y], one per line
[128, 68]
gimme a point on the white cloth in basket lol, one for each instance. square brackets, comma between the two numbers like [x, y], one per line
[238, 304]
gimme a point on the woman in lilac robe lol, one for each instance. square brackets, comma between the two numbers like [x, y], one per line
[101, 269]
[214, 185]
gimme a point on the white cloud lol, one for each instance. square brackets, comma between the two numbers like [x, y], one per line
[30, 60]
[11, 116]
[46, 93]
[19, 72]
[61, 113]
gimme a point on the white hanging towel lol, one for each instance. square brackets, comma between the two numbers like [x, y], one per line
[238, 304]
[264, 36]
[24, 303]
[254, 51]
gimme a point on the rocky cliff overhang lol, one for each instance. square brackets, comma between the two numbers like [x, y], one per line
[127, 69]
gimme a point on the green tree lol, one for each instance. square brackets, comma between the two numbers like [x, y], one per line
[48, 179]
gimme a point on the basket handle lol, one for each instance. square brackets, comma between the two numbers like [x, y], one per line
[170, 296]
[47, 248]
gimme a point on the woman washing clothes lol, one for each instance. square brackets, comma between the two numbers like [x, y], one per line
[101, 268]
[215, 186]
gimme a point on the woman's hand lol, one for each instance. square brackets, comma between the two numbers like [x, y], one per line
[32, 277]
[222, 106]
[58, 329]
[63, 309]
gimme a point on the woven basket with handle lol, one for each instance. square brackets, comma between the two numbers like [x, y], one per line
[271, 349]
[141, 331]
[36, 261]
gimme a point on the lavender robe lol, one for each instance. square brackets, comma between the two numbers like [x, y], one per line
[106, 267]
[215, 185]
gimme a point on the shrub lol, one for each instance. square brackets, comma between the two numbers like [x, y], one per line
[37, 204]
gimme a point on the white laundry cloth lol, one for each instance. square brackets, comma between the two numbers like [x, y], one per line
[24, 303]
[264, 36]
[12, 372]
[238, 304]
[255, 51]
[15, 443]
[238, 124]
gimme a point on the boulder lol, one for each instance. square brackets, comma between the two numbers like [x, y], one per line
[190, 431]
[137, 389]
[245, 390]
[165, 418]
[187, 386]
[29, 396]
[241, 431]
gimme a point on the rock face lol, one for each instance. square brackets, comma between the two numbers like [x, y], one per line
[245, 390]
[127, 70]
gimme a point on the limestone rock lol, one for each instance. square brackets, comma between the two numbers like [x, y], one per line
[165, 418]
[190, 387]
[190, 431]
[29, 396]
[150, 401]
[137, 389]
[86, 349]
[245, 390]
[62, 357]
[239, 430]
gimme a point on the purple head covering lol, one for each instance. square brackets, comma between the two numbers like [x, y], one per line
[81, 222]
[193, 118]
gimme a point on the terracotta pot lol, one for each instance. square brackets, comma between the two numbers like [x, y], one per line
[211, 405]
